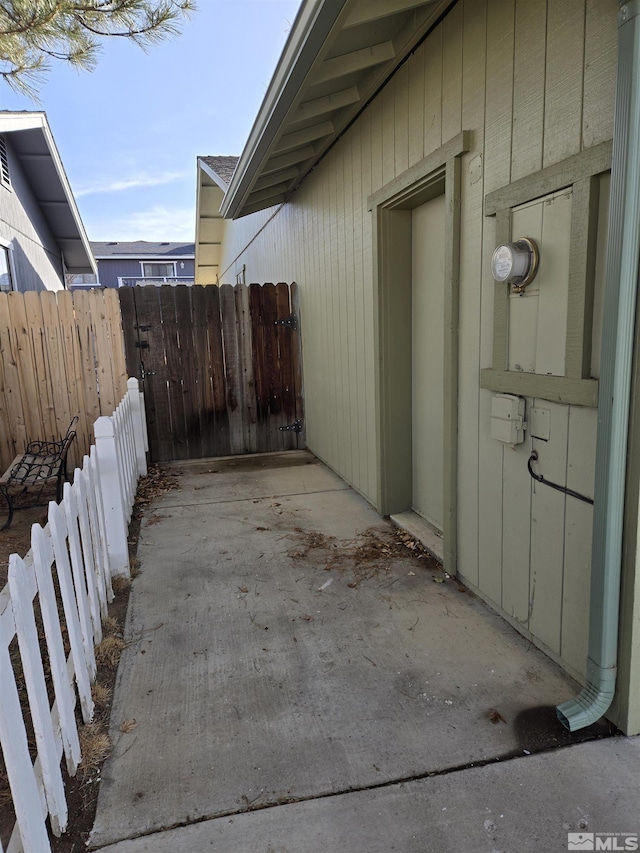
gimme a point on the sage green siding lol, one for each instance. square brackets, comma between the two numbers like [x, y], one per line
[533, 81]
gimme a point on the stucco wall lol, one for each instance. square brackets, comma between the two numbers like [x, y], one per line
[534, 83]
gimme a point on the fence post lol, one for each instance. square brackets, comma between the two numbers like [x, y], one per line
[133, 392]
[112, 497]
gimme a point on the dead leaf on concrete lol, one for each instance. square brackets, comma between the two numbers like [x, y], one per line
[128, 725]
[495, 716]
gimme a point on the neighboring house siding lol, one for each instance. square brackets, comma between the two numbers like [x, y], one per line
[534, 83]
[36, 255]
[110, 270]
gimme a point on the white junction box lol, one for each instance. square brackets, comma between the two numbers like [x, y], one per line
[507, 419]
[540, 423]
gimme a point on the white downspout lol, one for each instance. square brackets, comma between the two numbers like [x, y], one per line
[618, 331]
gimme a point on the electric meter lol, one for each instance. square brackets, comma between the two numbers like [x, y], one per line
[516, 263]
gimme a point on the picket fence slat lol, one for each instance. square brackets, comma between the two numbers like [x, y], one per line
[95, 604]
[93, 473]
[43, 558]
[75, 541]
[23, 589]
[27, 795]
[71, 610]
[82, 596]
[96, 525]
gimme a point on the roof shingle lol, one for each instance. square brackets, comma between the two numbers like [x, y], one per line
[223, 166]
[141, 248]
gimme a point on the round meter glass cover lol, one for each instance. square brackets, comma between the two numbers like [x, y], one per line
[502, 263]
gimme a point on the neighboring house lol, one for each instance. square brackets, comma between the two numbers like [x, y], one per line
[399, 143]
[214, 176]
[42, 238]
[126, 264]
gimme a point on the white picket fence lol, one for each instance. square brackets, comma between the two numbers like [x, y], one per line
[86, 537]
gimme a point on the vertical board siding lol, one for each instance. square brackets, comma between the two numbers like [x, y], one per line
[471, 225]
[452, 72]
[61, 355]
[528, 87]
[564, 80]
[497, 148]
[221, 372]
[432, 50]
[415, 95]
[599, 71]
[534, 81]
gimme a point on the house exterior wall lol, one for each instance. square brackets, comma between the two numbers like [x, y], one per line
[36, 258]
[533, 81]
[209, 228]
[110, 269]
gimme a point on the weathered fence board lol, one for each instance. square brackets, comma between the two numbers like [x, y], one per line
[60, 355]
[221, 367]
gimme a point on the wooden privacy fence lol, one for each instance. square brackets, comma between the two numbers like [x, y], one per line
[86, 538]
[220, 366]
[61, 355]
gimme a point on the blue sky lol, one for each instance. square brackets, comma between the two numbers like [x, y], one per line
[130, 131]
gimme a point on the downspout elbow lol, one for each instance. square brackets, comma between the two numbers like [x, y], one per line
[594, 700]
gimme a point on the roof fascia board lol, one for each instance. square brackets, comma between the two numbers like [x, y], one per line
[66, 187]
[11, 121]
[144, 258]
[314, 22]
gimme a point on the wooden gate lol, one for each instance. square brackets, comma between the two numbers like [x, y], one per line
[220, 367]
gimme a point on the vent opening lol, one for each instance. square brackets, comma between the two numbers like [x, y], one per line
[4, 164]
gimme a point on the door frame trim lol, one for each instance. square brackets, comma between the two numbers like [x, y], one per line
[439, 172]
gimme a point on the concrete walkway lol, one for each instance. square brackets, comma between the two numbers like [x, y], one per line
[298, 680]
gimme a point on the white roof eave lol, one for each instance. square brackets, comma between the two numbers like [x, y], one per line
[11, 122]
[313, 23]
[339, 55]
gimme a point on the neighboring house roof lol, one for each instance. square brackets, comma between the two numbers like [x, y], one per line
[33, 144]
[338, 55]
[141, 249]
[220, 168]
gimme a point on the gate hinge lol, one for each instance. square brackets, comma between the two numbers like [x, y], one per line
[144, 373]
[142, 344]
[296, 426]
[142, 327]
[291, 322]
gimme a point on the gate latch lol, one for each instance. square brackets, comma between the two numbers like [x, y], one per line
[142, 344]
[296, 426]
[291, 322]
[142, 327]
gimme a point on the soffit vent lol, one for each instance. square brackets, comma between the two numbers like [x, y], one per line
[4, 164]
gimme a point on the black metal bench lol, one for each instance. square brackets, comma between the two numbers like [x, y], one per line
[42, 463]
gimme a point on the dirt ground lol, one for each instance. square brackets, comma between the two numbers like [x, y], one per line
[82, 790]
